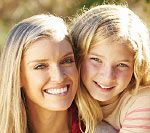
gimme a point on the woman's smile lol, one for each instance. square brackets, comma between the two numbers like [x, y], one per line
[49, 77]
[61, 91]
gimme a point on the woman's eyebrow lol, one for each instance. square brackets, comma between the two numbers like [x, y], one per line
[37, 60]
[46, 59]
[68, 54]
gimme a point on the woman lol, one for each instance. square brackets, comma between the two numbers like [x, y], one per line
[39, 78]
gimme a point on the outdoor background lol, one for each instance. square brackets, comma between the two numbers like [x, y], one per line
[12, 11]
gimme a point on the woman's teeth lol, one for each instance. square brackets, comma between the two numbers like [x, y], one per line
[57, 91]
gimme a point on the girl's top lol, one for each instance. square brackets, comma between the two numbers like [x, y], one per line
[73, 116]
[130, 113]
[104, 127]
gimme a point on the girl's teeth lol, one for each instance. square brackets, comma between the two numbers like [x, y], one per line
[57, 91]
[104, 87]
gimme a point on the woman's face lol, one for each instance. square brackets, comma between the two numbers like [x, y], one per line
[49, 76]
[107, 69]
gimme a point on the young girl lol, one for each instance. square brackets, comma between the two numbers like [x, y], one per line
[112, 46]
[38, 78]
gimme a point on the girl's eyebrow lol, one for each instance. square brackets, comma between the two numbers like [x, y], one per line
[45, 59]
[125, 60]
[120, 60]
[95, 54]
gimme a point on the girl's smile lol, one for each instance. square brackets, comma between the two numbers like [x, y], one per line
[107, 69]
[103, 87]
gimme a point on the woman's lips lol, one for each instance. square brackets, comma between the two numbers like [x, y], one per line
[58, 90]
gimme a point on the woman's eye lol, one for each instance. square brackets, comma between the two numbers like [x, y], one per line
[122, 65]
[96, 59]
[40, 66]
[68, 60]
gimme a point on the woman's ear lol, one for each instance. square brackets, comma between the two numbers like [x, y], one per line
[21, 79]
[21, 87]
[21, 84]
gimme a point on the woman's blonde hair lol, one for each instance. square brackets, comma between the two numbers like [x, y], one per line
[117, 23]
[13, 115]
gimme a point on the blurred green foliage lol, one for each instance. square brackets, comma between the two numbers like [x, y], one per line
[88, 3]
[12, 11]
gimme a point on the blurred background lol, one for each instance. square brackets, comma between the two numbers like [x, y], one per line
[12, 11]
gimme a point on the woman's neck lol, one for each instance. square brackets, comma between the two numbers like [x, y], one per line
[45, 121]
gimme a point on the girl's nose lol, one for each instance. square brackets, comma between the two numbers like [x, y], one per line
[108, 74]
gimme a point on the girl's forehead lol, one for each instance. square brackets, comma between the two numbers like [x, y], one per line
[112, 52]
[114, 41]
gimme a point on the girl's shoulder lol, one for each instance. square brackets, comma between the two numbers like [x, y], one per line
[135, 115]
[129, 99]
[129, 109]
[143, 91]
[140, 100]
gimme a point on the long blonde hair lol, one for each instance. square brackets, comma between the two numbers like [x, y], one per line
[13, 115]
[117, 23]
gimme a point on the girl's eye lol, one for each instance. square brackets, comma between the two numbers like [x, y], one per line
[68, 60]
[96, 59]
[40, 66]
[122, 65]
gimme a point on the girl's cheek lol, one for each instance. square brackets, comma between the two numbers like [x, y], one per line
[124, 74]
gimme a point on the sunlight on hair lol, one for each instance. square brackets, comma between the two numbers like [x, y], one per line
[57, 34]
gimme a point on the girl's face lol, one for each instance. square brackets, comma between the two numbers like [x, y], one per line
[49, 75]
[107, 70]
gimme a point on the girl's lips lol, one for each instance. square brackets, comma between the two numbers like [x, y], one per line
[104, 88]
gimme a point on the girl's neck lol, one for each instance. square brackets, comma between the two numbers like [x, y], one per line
[113, 100]
[109, 106]
[45, 121]
[108, 102]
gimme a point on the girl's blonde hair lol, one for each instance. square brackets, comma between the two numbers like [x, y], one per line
[13, 117]
[116, 23]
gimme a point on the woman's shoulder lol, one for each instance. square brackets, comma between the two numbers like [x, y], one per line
[73, 115]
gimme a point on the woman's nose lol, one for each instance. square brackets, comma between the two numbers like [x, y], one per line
[56, 74]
